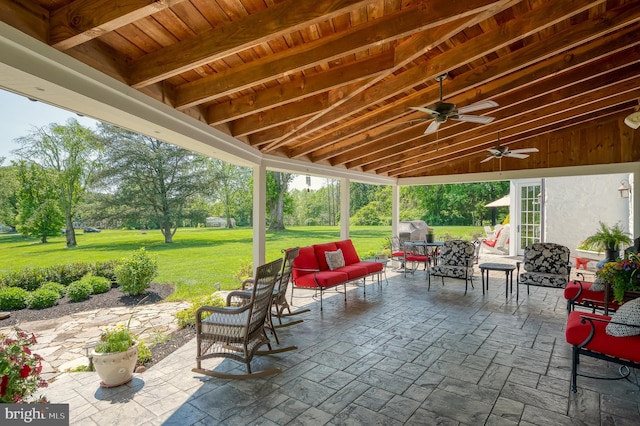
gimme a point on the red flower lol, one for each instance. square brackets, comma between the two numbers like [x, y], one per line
[24, 371]
[26, 350]
[3, 385]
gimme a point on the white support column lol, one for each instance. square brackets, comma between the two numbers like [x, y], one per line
[345, 207]
[259, 214]
[395, 209]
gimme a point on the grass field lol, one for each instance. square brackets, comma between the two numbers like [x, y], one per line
[197, 258]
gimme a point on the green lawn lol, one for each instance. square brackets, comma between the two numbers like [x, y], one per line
[197, 259]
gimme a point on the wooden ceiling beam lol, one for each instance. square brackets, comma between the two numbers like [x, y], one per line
[515, 70]
[82, 20]
[358, 39]
[413, 48]
[27, 17]
[381, 150]
[234, 37]
[534, 120]
[298, 89]
[289, 112]
[512, 31]
[569, 121]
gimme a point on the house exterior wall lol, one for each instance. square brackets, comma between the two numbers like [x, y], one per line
[574, 205]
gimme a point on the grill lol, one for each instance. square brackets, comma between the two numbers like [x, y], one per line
[412, 230]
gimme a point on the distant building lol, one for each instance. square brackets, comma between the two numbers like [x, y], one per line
[219, 222]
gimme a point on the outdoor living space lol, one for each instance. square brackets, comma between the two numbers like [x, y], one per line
[398, 355]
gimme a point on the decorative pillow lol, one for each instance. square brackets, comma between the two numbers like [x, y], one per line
[597, 285]
[335, 259]
[629, 313]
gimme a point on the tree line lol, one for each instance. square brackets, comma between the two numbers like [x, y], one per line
[68, 176]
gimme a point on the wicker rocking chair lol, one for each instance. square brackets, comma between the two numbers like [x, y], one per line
[279, 302]
[238, 332]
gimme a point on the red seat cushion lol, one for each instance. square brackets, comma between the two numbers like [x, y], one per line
[417, 258]
[306, 259]
[596, 297]
[320, 249]
[355, 271]
[348, 251]
[324, 279]
[490, 243]
[372, 266]
[627, 348]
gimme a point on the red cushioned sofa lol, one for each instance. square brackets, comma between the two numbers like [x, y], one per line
[311, 270]
[586, 332]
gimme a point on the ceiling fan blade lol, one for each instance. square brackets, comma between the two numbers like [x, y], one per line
[481, 119]
[431, 112]
[523, 150]
[488, 158]
[516, 155]
[433, 127]
[477, 106]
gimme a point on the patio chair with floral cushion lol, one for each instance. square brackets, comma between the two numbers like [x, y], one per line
[238, 332]
[455, 261]
[545, 265]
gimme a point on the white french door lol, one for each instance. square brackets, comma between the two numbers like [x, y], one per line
[529, 225]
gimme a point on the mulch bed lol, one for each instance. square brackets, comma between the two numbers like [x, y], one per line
[113, 298]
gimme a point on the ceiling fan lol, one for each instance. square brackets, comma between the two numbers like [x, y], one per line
[503, 151]
[443, 111]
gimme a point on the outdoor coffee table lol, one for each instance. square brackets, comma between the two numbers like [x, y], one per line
[508, 271]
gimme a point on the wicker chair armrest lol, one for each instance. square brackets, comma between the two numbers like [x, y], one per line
[247, 283]
[242, 295]
[224, 313]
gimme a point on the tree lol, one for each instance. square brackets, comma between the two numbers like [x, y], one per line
[152, 181]
[279, 201]
[68, 151]
[230, 181]
[9, 194]
[39, 213]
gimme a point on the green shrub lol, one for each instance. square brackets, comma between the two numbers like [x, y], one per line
[106, 269]
[187, 317]
[42, 298]
[28, 279]
[134, 273]
[13, 298]
[78, 291]
[144, 353]
[54, 286]
[98, 284]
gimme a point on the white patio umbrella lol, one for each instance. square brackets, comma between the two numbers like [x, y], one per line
[500, 202]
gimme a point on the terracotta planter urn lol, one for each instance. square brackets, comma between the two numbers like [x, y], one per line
[115, 368]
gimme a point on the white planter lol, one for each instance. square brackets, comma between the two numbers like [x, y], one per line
[115, 368]
[588, 254]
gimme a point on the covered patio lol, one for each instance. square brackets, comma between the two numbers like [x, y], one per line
[400, 355]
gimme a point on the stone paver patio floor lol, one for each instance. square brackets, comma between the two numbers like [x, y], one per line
[399, 355]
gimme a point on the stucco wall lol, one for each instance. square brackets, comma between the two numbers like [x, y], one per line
[574, 205]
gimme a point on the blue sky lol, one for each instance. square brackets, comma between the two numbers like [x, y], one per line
[19, 116]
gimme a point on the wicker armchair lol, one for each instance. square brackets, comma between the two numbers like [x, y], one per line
[455, 261]
[238, 332]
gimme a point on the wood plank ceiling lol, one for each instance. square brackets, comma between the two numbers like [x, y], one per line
[332, 81]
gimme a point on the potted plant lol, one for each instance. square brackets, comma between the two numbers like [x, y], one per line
[430, 235]
[115, 356]
[609, 239]
[623, 276]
